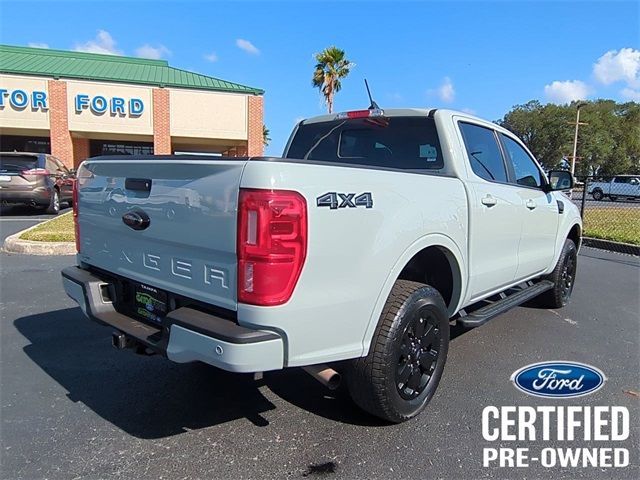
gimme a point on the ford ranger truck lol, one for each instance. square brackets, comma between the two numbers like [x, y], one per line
[349, 256]
[621, 186]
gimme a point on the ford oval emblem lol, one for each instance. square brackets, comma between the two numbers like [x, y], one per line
[136, 219]
[558, 379]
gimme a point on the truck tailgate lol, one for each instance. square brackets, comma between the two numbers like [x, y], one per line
[189, 245]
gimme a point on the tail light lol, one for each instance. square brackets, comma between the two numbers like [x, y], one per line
[76, 227]
[272, 245]
[36, 171]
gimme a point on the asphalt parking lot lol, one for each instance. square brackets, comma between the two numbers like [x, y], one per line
[73, 407]
[604, 203]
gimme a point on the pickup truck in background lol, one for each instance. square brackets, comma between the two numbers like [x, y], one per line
[350, 256]
[620, 186]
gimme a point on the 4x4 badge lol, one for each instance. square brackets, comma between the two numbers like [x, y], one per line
[335, 200]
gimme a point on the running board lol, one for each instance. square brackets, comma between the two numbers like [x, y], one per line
[484, 314]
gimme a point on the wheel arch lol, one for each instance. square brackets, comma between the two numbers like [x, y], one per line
[575, 235]
[572, 231]
[435, 250]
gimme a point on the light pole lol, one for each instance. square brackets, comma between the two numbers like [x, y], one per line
[579, 105]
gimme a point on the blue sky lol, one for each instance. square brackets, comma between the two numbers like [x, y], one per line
[483, 57]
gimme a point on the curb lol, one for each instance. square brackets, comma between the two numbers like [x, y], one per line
[13, 244]
[618, 247]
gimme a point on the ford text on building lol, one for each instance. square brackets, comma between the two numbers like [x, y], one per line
[75, 105]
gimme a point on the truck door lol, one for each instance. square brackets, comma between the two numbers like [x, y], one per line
[495, 213]
[539, 211]
[624, 187]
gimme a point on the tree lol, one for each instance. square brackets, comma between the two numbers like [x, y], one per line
[544, 129]
[331, 68]
[608, 145]
[266, 139]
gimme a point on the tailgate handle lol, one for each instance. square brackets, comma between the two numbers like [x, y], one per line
[138, 184]
[136, 219]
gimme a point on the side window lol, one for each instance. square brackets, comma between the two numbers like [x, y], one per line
[525, 169]
[484, 153]
[622, 180]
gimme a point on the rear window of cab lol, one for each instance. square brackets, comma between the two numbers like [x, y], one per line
[406, 143]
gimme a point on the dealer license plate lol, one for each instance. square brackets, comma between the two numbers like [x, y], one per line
[150, 303]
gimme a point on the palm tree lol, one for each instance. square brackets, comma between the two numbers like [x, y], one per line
[265, 135]
[332, 66]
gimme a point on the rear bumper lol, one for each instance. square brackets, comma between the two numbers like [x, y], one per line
[186, 335]
[37, 196]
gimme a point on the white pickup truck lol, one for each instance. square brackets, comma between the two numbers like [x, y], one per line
[620, 186]
[349, 256]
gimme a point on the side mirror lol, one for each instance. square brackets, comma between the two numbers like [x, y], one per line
[559, 180]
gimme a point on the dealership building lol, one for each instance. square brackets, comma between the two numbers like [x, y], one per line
[75, 105]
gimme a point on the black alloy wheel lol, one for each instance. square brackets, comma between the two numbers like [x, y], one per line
[401, 372]
[568, 276]
[418, 356]
[563, 278]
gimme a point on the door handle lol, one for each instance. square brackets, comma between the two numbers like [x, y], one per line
[530, 204]
[489, 201]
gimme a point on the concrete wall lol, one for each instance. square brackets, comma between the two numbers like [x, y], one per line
[208, 114]
[27, 117]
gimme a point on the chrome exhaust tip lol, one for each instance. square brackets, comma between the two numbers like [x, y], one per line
[325, 375]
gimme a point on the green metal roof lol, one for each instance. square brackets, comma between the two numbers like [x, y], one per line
[110, 68]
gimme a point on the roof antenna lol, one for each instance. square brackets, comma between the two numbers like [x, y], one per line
[374, 105]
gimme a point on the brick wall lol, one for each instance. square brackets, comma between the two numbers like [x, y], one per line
[256, 121]
[61, 143]
[80, 150]
[161, 123]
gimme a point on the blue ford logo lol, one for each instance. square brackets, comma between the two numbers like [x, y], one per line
[558, 379]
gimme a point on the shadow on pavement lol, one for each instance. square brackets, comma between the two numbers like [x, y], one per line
[148, 397]
[151, 397]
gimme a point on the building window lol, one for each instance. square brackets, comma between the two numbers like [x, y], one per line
[106, 147]
[16, 143]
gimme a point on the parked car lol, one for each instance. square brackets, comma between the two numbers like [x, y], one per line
[35, 179]
[349, 256]
[620, 186]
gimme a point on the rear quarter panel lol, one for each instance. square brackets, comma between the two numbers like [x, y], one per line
[354, 254]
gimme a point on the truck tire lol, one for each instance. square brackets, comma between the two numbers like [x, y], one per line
[563, 278]
[398, 377]
[54, 202]
[597, 194]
